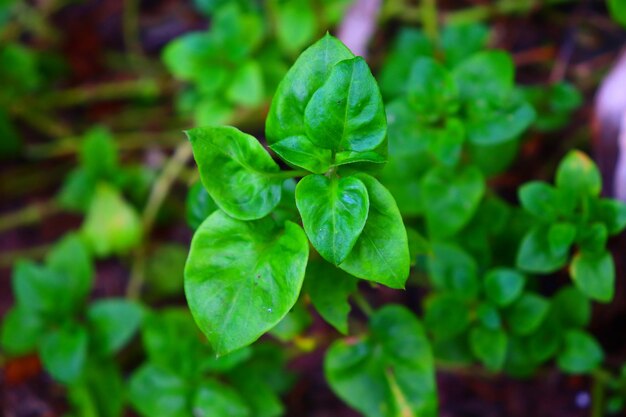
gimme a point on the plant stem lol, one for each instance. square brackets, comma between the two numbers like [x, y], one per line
[130, 24]
[27, 215]
[429, 19]
[597, 393]
[40, 121]
[363, 304]
[116, 90]
[8, 258]
[160, 189]
[125, 142]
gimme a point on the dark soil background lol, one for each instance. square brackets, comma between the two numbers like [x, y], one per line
[575, 40]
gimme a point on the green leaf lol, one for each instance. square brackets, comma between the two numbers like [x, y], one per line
[446, 315]
[329, 288]
[173, 342]
[21, 331]
[242, 278]
[70, 259]
[390, 372]
[581, 353]
[489, 316]
[215, 399]
[496, 123]
[237, 32]
[381, 254]
[535, 253]
[306, 76]
[63, 352]
[211, 111]
[571, 307]
[503, 285]
[610, 212]
[247, 87]
[592, 238]
[347, 112]
[43, 291]
[260, 380]
[577, 174]
[11, 142]
[554, 104]
[236, 171]
[409, 44]
[77, 191]
[198, 206]
[446, 142]
[450, 198]
[543, 200]
[100, 392]
[561, 237]
[301, 152]
[594, 275]
[154, 391]
[431, 89]
[98, 154]
[489, 346]
[544, 342]
[333, 213]
[112, 226]
[460, 41]
[165, 269]
[527, 313]
[617, 8]
[485, 75]
[296, 24]
[295, 323]
[451, 269]
[112, 323]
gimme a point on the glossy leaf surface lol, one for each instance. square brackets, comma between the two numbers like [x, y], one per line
[236, 171]
[242, 278]
[333, 212]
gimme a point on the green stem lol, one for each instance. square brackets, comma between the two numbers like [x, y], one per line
[27, 215]
[429, 19]
[160, 189]
[68, 146]
[49, 126]
[597, 393]
[130, 24]
[118, 90]
[363, 304]
[8, 258]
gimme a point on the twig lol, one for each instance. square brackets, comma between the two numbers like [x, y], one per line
[28, 215]
[125, 142]
[48, 125]
[362, 303]
[160, 189]
[116, 90]
[131, 27]
[8, 258]
[429, 19]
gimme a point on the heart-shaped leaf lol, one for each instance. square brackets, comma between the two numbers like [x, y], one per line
[333, 212]
[236, 171]
[306, 76]
[242, 278]
[347, 112]
[381, 253]
[390, 373]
